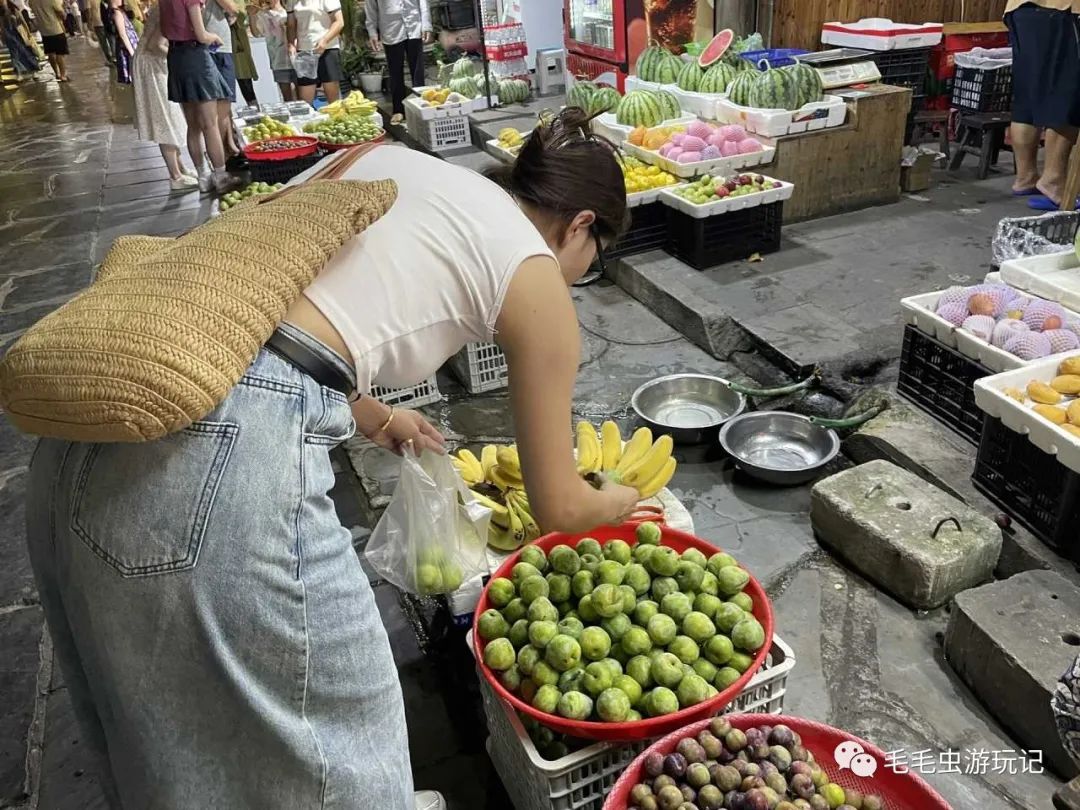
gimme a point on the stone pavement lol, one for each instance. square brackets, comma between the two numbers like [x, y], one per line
[73, 177]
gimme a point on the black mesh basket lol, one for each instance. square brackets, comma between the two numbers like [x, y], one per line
[705, 243]
[981, 90]
[281, 171]
[904, 67]
[648, 231]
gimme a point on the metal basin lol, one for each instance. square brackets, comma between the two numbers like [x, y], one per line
[778, 447]
[687, 406]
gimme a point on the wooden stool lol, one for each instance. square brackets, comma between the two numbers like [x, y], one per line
[923, 125]
[982, 135]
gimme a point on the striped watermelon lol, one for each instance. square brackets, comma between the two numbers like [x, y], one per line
[807, 82]
[669, 105]
[774, 90]
[465, 85]
[739, 89]
[657, 64]
[604, 99]
[690, 77]
[580, 95]
[717, 78]
[514, 91]
[639, 108]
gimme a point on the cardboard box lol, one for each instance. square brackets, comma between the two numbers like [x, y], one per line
[917, 177]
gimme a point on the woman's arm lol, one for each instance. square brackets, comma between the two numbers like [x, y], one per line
[119, 18]
[252, 26]
[337, 23]
[538, 330]
[194, 11]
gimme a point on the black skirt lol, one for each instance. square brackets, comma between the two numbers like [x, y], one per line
[1046, 66]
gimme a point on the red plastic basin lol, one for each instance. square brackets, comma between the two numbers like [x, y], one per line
[898, 791]
[650, 726]
[304, 146]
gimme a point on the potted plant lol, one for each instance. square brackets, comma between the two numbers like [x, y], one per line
[357, 60]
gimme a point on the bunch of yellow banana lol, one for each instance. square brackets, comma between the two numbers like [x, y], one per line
[496, 482]
[510, 139]
[352, 104]
[641, 463]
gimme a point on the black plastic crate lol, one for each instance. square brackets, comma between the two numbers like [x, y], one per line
[648, 231]
[281, 171]
[940, 380]
[906, 67]
[982, 90]
[1033, 487]
[705, 243]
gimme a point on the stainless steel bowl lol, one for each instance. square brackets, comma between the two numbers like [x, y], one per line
[687, 406]
[779, 447]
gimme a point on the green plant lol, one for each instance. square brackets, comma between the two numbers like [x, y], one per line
[357, 58]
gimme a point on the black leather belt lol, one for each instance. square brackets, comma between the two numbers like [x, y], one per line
[315, 366]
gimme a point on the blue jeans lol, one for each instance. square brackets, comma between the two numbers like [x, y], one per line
[219, 639]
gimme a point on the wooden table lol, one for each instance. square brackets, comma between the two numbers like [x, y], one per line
[847, 167]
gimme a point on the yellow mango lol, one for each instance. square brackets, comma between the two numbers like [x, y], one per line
[1015, 393]
[1051, 413]
[1074, 412]
[1070, 365]
[1073, 429]
[1066, 383]
[1041, 392]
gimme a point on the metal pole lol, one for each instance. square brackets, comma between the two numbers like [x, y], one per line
[478, 12]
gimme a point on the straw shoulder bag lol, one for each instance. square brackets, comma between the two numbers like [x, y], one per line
[170, 325]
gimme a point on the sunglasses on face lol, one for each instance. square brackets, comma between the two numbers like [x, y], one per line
[599, 261]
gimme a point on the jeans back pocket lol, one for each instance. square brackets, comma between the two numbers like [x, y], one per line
[143, 508]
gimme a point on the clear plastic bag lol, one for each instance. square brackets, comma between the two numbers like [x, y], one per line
[432, 536]
[306, 64]
[1018, 237]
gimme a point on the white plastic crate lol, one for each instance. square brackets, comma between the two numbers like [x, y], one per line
[877, 34]
[608, 126]
[831, 111]
[720, 165]
[480, 367]
[581, 780]
[991, 398]
[723, 205]
[412, 397]
[438, 134]
[1054, 276]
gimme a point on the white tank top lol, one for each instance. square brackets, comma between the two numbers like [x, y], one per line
[430, 275]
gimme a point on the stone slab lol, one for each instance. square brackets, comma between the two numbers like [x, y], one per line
[882, 520]
[1009, 641]
[20, 634]
[912, 439]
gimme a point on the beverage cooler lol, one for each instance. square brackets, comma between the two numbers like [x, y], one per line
[604, 37]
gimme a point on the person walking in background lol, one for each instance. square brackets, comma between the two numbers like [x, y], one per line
[217, 19]
[1045, 36]
[401, 27]
[243, 62]
[126, 41]
[49, 15]
[156, 118]
[17, 41]
[97, 25]
[72, 20]
[195, 83]
[312, 29]
[269, 22]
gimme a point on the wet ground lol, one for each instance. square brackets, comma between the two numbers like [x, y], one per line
[73, 177]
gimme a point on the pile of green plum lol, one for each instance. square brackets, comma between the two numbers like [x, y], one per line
[350, 129]
[615, 633]
[234, 198]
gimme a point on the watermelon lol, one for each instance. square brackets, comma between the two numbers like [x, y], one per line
[462, 69]
[657, 64]
[639, 108]
[807, 82]
[716, 48]
[717, 78]
[512, 91]
[603, 100]
[774, 90]
[580, 95]
[739, 89]
[669, 104]
[465, 85]
[690, 77]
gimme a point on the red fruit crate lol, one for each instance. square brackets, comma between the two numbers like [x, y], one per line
[705, 243]
[510, 50]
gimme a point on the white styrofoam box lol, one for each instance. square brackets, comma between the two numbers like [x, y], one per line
[703, 105]
[919, 311]
[726, 204]
[634, 83]
[1019, 416]
[606, 124]
[722, 165]
[877, 34]
[496, 149]
[646, 197]
[1054, 276]
[831, 111]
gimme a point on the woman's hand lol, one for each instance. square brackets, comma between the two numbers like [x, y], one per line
[408, 429]
[624, 500]
[320, 46]
[375, 44]
[210, 40]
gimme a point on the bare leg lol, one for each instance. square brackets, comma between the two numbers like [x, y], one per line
[171, 155]
[60, 61]
[209, 122]
[307, 92]
[55, 67]
[332, 91]
[1059, 144]
[286, 89]
[224, 113]
[194, 135]
[1025, 144]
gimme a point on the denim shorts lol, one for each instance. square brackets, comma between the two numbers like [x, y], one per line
[227, 68]
[193, 76]
[219, 640]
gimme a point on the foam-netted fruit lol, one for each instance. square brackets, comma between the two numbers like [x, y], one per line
[1044, 315]
[982, 326]
[1005, 329]
[1028, 345]
[1062, 340]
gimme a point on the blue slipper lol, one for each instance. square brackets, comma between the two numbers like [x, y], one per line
[1041, 202]
[1025, 192]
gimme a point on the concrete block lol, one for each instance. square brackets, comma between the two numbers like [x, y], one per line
[1010, 641]
[913, 540]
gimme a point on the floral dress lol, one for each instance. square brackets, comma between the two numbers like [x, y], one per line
[123, 59]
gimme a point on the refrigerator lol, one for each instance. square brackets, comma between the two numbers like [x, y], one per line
[605, 37]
